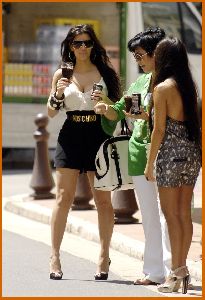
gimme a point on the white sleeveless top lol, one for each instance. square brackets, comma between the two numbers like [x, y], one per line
[77, 100]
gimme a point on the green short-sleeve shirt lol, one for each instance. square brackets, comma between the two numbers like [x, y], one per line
[141, 134]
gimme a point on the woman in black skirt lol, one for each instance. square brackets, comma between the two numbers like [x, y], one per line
[81, 136]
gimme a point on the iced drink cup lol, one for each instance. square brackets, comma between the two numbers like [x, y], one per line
[67, 70]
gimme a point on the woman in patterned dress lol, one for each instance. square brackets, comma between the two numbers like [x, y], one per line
[175, 141]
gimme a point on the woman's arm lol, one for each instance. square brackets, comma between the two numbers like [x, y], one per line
[102, 108]
[160, 113]
[142, 116]
[99, 96]
[58, 86]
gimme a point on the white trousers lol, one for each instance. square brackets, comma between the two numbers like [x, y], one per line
[157, 253]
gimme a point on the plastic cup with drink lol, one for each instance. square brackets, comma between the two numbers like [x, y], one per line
[128, 101]
[67, 69]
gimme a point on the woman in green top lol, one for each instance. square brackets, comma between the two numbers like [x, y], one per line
[156, 254]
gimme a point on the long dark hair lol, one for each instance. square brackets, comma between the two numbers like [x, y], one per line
[98, 57]
[171, 60]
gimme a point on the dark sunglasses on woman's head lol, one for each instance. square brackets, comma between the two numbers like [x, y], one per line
[86, 44]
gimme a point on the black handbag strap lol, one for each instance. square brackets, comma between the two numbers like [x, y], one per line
[125, 128]
[116, 157]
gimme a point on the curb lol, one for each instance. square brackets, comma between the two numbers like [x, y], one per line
[86, 230]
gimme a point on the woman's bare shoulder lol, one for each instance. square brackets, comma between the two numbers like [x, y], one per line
[165, 86]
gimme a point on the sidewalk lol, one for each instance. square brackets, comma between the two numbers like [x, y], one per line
[127, 238]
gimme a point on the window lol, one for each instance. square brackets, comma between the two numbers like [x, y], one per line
[176, 19]
[164, 15]
[191, 30]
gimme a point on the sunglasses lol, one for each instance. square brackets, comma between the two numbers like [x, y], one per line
[86, 44]
[139, 56]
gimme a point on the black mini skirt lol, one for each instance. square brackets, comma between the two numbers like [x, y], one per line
[79, 140]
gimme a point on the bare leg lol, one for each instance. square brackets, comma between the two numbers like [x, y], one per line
[176, 206]
[105, 223]
[66, 185]
[169, 199]
[186, 220]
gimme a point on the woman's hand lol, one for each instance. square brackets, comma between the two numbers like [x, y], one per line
[149, 173]
[143, 116]
[61, 85]
[101, 108]
[100, 96]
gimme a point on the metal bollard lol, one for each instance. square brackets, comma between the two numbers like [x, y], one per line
[124, 205]
[42, 181]
[83, 194]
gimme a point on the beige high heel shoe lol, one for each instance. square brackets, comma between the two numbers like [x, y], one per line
[55, 267]
[173, 281]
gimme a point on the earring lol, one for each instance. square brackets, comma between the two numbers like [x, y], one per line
[69, 55]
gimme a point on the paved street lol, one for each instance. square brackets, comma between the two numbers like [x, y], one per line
[25, 265]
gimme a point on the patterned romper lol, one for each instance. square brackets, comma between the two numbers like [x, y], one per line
[179, 159]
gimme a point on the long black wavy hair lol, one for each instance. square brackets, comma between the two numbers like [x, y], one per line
[98, 57]
[171, 60]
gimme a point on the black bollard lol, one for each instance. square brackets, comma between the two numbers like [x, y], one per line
[42, 181]
[124, 205]
[83, 194]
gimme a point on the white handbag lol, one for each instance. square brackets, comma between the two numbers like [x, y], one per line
[112, 165]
